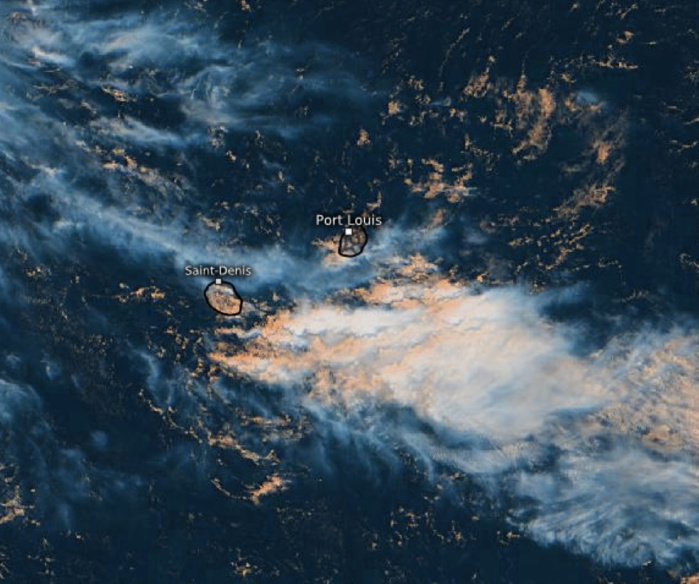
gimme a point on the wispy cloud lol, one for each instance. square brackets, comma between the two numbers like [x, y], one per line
[593, 449]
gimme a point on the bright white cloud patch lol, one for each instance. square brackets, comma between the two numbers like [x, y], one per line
[596, 449]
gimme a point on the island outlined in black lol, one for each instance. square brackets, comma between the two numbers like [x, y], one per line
[353, 241]
[223, 298]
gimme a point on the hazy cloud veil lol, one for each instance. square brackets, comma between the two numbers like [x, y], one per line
[592, 447]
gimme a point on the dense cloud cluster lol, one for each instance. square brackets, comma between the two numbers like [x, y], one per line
[593, 448]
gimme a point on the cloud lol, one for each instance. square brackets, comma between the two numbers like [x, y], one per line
[50, 479]
[258, 85]
[591, 449]
[81, 94]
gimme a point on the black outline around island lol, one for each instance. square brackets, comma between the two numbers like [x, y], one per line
[366, 240]
[219, 282]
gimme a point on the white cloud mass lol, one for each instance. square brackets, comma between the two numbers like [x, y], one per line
[595, 450]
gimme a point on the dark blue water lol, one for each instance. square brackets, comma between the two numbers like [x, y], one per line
[138, 138]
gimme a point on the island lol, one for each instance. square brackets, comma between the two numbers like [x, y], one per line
[223, 298]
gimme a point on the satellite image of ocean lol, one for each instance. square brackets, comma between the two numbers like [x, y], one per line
[349, 291]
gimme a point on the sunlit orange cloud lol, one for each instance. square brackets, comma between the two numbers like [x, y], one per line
[475, 362]
[488, 367]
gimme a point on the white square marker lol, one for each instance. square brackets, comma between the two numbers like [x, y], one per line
[218, 280]
[348, 231]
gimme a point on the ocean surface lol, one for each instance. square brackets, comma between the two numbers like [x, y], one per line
[502, 387]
